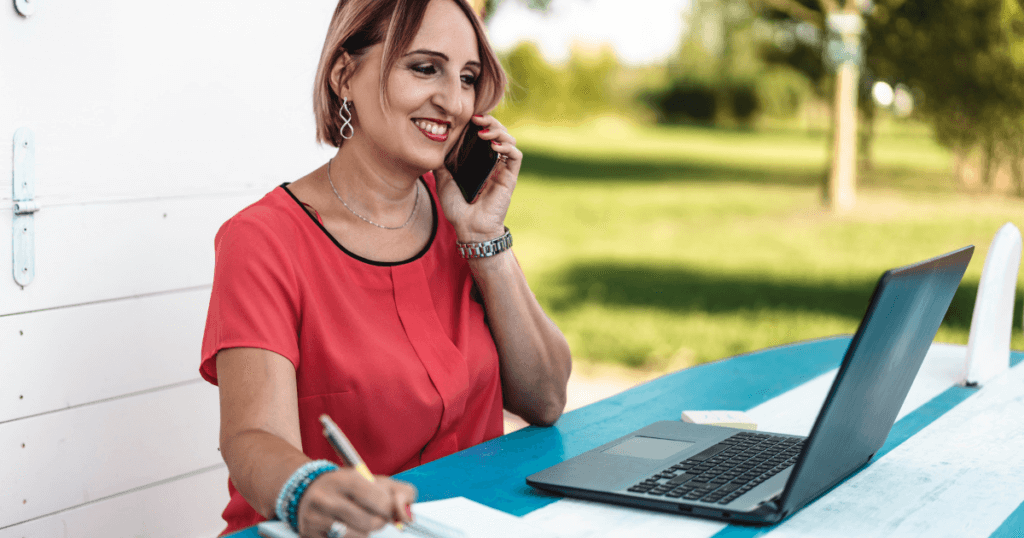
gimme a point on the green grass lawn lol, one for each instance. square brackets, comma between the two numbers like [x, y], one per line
[664, 247]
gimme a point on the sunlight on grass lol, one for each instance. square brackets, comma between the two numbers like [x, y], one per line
[717, 248]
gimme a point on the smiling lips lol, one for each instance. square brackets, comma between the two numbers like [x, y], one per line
[435, 130]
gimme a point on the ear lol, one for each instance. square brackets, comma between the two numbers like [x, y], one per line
[341, 73]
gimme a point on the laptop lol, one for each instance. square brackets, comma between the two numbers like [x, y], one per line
[744, 476]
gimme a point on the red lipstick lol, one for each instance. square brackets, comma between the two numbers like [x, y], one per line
[431, 122]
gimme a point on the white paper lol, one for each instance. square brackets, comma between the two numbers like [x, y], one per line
[470, 518]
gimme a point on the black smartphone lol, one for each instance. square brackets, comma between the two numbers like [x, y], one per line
[471, 162]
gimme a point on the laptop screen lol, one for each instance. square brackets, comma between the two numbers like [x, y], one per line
[880, 365]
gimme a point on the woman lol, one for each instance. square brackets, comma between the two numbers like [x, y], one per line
[345, 293]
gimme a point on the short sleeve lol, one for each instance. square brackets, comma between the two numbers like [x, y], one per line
[255, 297]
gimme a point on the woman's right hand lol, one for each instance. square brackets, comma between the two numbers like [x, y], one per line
[261, 443]
[347, 497]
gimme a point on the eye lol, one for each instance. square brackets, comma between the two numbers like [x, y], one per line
[469, 80]
[424, 69]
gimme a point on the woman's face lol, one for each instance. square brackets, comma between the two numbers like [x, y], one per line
[431, 92]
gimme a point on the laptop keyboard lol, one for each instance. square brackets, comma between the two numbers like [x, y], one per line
[725, 471]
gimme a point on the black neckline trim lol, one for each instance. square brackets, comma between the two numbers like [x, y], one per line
[430, 242]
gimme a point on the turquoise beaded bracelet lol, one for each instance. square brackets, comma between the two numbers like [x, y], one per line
[293, 504]
[287, 506]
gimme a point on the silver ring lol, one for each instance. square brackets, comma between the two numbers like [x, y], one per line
[502, 157]
[338, 530]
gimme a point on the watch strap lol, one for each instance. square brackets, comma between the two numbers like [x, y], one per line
[485, 249]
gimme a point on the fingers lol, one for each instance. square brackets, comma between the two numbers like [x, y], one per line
[493, 130]
[403, 495]
[499, 135]
[317, 520]
[347, 497]
[510, 159]
[318, 523]
[502, 142]
[508, 154]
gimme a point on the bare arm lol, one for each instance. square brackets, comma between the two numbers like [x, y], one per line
[259, 423]
[535, 358]
[261, 444]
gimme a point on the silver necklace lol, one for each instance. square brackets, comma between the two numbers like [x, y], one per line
[415, 203]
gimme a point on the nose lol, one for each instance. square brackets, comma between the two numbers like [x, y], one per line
[449, 96]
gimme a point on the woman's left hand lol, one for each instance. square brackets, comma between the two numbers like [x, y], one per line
[484, 219]
[533, 355]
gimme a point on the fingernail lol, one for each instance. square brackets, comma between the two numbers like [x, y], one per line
[478, 115]
[485, 130]
[495, 142]
[408, 511]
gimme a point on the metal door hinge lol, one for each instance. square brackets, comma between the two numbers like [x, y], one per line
[24, 187]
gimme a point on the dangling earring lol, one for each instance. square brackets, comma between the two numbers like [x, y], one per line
[346, 118]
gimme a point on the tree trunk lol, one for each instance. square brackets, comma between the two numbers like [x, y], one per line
[1015, 159]
[843, 176]
[960, 156]
[988, 166]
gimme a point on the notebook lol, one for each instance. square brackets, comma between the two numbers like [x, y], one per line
[742, 476]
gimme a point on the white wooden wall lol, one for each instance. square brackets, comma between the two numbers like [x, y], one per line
[154, 122]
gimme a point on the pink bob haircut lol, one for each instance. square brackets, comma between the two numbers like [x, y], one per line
[359, 24]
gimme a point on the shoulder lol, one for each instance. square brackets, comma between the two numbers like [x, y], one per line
[271, 217]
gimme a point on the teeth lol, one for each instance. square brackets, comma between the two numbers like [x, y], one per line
[431, 127]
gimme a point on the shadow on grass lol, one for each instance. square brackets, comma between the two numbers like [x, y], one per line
[559, 167]
[684, 290]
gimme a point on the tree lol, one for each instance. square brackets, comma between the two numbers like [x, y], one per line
[966, 58]
[713, 78]
[841, 20]
[535, 88]
[486, 7]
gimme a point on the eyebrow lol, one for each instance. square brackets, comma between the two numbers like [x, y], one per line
[441, 55]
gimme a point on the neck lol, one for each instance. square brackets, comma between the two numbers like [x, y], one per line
[373, 184]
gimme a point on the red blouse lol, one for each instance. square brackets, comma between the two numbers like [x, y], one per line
[398, 354]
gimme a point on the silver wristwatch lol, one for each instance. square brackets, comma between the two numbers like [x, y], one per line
[486, 249]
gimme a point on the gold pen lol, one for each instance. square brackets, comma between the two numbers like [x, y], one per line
[347, 452]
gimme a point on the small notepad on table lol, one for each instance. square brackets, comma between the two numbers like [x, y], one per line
[457, 517]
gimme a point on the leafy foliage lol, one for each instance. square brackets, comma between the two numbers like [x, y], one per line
[557, 94]
[714, 77]
[487, 7]
[966, 57]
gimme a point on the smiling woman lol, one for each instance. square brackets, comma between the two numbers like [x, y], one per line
[341, 294]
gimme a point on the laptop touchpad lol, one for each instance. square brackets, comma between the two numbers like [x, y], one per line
[650, 448]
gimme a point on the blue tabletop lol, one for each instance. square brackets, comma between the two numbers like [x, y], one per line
[493, 473]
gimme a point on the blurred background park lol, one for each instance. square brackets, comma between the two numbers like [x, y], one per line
[677, 202]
